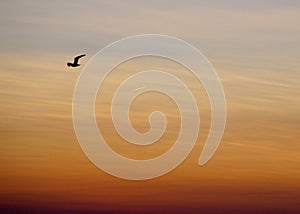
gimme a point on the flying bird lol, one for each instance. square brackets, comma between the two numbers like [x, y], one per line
[75, 63]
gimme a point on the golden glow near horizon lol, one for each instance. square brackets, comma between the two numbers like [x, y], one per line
[253, 47]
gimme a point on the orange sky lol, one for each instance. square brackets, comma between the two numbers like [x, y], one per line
[256, 167]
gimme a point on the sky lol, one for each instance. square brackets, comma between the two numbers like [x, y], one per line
[253, 46]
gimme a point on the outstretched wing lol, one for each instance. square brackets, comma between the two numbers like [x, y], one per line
[77, 58]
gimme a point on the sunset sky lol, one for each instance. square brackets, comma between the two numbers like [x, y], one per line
[253, 46]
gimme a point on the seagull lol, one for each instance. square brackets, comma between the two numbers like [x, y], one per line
[75, 63]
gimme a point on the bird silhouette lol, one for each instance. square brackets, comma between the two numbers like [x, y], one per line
[75, 63]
